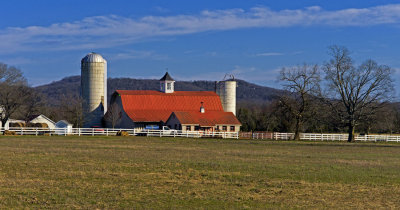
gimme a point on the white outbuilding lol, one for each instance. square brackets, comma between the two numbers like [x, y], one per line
[65, 125]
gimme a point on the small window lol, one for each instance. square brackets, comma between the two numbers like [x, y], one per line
[217, 128]
[169, 86]
[232, 128]
[188, 128]
[196, 128]
[224, 128]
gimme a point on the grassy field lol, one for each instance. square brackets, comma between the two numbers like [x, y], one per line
[140, 172]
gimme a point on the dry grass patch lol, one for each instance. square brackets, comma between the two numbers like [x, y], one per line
[140, 172]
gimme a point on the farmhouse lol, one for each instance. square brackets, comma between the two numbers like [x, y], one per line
[183, 110]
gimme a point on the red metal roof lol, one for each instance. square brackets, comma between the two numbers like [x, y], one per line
[155, 106]
[209, 118]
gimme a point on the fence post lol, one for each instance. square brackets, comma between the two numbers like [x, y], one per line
[36, 132]
[92, 131]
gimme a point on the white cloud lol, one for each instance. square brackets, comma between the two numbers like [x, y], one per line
[269, 54]
[253, 74]
[107, 31]
[161, 9]
[135, 54]
[212, 54]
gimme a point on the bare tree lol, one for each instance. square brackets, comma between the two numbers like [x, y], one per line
[32, 103]
[70, 109]
[13, 91]
[302, 82]
[113, 115]
[361, 90]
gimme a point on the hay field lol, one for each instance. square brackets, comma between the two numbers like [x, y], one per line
[140, 172]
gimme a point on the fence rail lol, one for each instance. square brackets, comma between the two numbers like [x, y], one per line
[199, 134]
[113, 132]
[318, 136]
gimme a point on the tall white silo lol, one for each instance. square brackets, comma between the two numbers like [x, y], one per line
[227, 92]
[94, 88]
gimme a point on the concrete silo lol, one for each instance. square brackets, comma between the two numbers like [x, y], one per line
[94, 88]
[226, 90]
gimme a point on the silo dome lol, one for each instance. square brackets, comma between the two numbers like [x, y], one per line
[93, 58]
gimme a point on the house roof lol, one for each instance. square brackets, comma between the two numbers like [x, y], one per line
[209, 118]
[63, 122]
[166, 77]
[32, 117]
[155, 106]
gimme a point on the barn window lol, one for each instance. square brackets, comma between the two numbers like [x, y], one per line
[188, 128]
[224, 128]
[217, 127]
[232, 128]
[169, 86]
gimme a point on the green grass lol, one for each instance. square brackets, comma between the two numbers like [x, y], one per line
[140, 172]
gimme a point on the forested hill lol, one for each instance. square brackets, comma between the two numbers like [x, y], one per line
[70, 86]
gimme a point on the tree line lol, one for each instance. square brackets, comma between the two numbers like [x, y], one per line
[337, 96]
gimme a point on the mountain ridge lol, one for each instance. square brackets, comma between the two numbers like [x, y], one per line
[70, 86]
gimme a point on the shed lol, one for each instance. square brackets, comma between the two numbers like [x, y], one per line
[63, 124]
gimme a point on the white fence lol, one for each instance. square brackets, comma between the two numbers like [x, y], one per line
[199, 134]
[113, 132]
[326, 137]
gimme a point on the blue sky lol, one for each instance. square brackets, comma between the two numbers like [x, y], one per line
[195, 40]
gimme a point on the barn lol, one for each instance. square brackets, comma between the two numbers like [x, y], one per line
[182, 110]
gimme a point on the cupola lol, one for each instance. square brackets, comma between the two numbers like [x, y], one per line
[167, 84]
